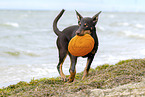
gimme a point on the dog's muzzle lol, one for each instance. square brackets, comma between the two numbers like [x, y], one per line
[83, 32]
[79, 32]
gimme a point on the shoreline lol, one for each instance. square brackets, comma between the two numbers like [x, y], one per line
[128, 73]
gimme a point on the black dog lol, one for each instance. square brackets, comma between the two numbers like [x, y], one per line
[85, 25]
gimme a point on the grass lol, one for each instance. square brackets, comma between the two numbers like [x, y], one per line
[102, 77]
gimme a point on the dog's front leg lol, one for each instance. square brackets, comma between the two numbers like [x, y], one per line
[72, 69]
[89, 61]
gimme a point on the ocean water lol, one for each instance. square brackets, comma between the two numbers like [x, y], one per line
[28, 44]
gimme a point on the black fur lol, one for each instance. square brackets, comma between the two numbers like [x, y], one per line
[85, 25]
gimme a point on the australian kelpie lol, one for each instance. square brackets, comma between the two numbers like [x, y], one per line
[85, 25]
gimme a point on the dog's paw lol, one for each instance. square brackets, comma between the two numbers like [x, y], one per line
[70, 80]
[64, 79]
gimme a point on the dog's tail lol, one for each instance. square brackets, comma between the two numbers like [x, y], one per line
[55, 29]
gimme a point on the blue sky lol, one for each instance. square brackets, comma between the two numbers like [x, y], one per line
[90, 5]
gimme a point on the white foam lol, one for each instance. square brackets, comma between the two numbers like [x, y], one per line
[16, 73]
[12, 24]
[139, 26]
[123, 24]
[101, 28]
[112, 16]
[142, 52]
[133, 34]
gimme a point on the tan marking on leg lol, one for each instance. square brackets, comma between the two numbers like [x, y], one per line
[85, 71]
[61, 73]
[72, 76]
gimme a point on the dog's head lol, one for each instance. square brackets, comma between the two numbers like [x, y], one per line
[86, 25]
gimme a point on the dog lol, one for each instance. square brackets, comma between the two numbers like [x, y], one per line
[85, 26]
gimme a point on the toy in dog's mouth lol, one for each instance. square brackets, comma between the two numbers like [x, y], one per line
[81, 45]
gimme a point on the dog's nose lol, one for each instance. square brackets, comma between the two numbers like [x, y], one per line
[78, 32]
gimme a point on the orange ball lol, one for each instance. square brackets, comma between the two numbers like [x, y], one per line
[81, 45]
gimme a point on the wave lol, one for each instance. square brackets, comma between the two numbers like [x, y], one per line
[139, 26]
[10, 24]
[18, 53]
[133, 34]
[120, 24]
[142, 51]
[100, 28]
[112, 16]
[12, 74]
[13, 53]
[123, 24]
[126, 24]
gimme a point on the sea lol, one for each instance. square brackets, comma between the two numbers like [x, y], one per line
[28, 44]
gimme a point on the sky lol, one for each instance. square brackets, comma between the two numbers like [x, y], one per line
[89, 5]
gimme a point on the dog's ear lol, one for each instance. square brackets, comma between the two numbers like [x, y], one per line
[78, 16]
[95, 18]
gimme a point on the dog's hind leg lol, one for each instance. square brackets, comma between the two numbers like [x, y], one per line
[89, 61]
[62, 56]
[72, 69]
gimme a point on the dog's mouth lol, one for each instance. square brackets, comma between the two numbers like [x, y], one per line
[87, 32]
[80, 34]
[83, 32]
